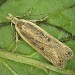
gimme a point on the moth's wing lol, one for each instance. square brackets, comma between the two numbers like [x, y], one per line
[55, 44]
[62, 48]
[67, 52]
[51, 54]
[56, 58]
[42, 36]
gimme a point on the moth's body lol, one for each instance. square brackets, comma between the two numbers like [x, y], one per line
[48, 46]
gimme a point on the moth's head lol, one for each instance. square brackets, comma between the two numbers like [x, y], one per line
[13, 19]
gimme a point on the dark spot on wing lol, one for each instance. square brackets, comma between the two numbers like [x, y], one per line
[41, 48]
[69, 53]
[60, 60]
[48, 39]
[59, 64]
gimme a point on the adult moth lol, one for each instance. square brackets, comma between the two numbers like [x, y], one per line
[52, 49]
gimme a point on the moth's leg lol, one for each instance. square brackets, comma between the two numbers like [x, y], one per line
[17, 40]
[12, 41]
[16, 36]
[41, 20]
[11, 25]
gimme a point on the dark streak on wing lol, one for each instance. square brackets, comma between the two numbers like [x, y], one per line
[38, 32]
[32, 40]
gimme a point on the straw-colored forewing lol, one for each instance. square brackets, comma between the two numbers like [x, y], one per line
[52, 49]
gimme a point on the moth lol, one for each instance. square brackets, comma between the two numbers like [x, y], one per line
[49, 47]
